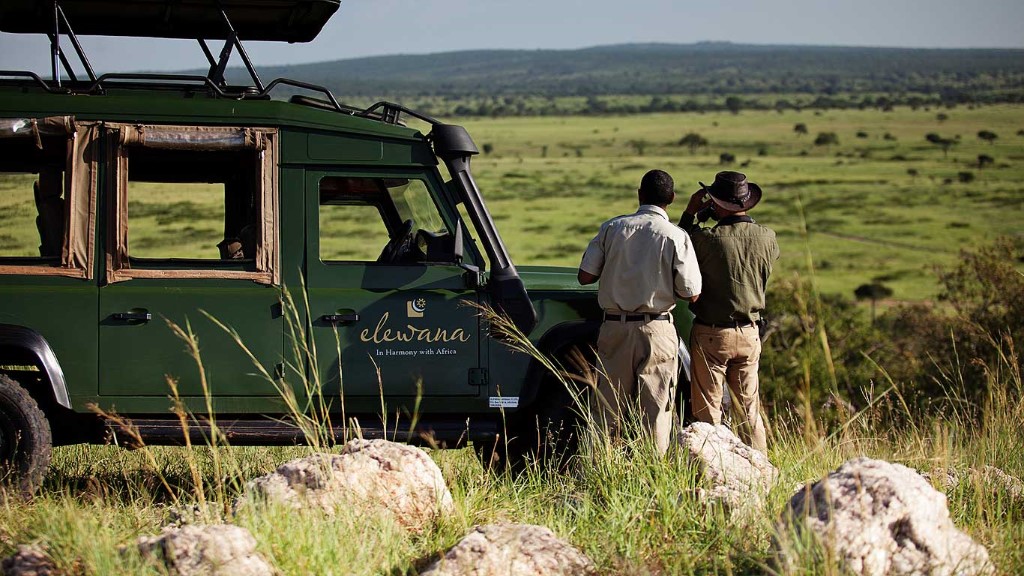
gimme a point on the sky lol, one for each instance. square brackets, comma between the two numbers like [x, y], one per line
[385, 27]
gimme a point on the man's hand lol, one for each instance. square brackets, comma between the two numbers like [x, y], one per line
[696, 202]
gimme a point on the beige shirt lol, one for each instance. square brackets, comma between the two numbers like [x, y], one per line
[644, 261]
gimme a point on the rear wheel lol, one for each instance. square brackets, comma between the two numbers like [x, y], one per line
[25, 441]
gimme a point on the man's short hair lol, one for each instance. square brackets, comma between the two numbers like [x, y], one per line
[657, 188]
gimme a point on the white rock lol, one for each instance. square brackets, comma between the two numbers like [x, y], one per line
[398, 478]
[880, 519]
[214, 550]
[28, 560]
[986, 477]
[733, 473]
[511, 550]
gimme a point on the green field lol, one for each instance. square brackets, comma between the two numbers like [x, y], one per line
[550, 182]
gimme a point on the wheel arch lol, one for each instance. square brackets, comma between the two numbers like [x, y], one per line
[556, 339]
[21, 344]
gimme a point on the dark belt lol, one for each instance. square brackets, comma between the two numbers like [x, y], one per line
[636, 317]
[732, 324]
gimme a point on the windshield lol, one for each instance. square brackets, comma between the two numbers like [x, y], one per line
[413, 201]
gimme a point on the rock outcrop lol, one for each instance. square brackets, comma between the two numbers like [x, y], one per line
[29, 560]
[879, 519]
[987, 477]
[210, 550]
[732, 472]
[398, 478]
[511, 550]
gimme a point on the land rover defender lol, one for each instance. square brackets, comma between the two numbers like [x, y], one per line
[299, 240]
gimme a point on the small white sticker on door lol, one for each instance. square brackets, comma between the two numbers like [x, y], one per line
[504, 401]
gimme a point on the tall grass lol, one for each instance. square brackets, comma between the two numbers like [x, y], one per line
[629, 509]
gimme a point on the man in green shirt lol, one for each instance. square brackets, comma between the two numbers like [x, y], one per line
[735, 258]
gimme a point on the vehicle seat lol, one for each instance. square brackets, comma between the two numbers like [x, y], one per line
[50, 219]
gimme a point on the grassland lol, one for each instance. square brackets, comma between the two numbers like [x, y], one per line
[550, 182]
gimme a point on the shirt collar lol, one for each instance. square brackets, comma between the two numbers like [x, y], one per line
[651, 208]
[733, 219]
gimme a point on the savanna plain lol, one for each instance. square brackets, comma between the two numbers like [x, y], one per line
[922, 370]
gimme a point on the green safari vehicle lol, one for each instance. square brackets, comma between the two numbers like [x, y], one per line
[314, 250]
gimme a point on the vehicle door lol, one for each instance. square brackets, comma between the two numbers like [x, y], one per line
[47, 283]
[391, 311]
[192, 254]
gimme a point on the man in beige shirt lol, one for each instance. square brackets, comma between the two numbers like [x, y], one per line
[644, 263]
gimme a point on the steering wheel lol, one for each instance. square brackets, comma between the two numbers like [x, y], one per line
[400, 244]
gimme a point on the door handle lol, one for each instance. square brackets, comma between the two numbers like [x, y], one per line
[141, 316]
[348, 318]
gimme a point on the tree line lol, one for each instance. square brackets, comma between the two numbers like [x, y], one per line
[712, 76]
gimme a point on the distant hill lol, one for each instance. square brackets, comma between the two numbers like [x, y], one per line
[712, 68]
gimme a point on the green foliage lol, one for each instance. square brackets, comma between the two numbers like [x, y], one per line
[988, 136]
[800, 128]
[692, 140]
[826, 139]
[816, 347]
[873, 291]
[938, 350]
[671, 78]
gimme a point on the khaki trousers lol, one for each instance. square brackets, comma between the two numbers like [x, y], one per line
[637, 371]
[727, 357]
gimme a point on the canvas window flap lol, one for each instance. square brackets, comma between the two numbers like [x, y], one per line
[79, 192]
[192, 137]
[210, 138]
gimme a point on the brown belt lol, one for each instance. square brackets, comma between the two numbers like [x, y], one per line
[636, 317]
[732, 324]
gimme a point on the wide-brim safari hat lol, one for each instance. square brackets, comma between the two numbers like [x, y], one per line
[732, 192]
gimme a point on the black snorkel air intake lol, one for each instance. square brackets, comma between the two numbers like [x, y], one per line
[455, 147]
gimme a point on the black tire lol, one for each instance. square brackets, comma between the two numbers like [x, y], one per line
[546, 433]
[550, 435]
[25, 441]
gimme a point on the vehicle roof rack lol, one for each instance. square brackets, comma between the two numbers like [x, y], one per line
[228, 20]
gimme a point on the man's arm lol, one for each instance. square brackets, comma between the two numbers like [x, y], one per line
[688, 221]
[586, 277]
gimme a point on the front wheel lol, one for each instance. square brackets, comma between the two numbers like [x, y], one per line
[546, 433]
[25, 441]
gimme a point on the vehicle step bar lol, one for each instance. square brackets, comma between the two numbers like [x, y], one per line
[447, 433]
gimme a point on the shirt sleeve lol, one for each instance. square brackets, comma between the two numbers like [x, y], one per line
[593, 257]
[687, 279]
[688, 223]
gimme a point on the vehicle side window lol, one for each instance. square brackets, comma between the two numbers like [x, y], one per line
[194, 202]
[37, 159]
[192, 206]
[385, 220]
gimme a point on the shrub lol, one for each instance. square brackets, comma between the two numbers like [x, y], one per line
[944, 350]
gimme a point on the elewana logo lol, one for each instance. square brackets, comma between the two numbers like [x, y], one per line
[415, 308]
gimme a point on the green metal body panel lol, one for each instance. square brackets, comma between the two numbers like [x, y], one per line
[403, 335]
[136, 358]
[63, 311]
